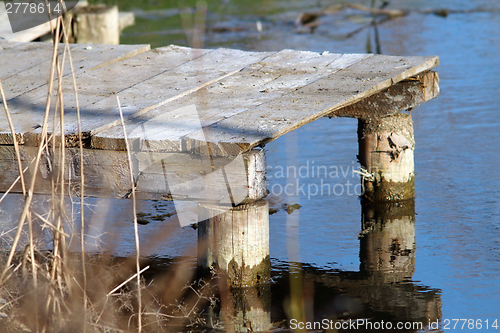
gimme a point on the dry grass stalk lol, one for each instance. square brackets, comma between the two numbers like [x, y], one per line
[68, 294]
[134, 210]
[14, 139]
[82, 175]
[29, 196]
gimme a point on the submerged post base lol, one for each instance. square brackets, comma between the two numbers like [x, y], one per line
[235, 242]
[386, 148]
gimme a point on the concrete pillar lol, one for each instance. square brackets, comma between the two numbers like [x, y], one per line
[386, 148]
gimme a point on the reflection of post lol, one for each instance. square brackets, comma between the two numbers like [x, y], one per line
[235, 243]
[252, 308]
[387, 254]
[388, 240]
[386, 151]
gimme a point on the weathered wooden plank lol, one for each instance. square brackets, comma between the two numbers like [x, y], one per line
[18, 57]
[84, 57]
[99, 84]
[193, 80]
[25, 59]
[404, 95]
[26, 91]
[98, 103]
[234, 104]
[157, 176]
[270, 120]
[165, 127]
[140, 82]
[21, 36]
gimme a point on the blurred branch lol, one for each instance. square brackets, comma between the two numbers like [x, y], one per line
[307, 22]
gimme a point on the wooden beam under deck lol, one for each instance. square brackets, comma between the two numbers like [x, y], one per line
[402, 96]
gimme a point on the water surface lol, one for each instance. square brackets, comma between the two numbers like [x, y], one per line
[457, 222]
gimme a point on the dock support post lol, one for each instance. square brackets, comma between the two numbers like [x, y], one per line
[235, 239]
[234, 242]
[386, 148]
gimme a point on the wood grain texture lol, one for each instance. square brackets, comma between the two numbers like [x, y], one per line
[26, 89]
[242, 90]
[220, 102]
[306, 104]
[235, 242]
[404, 95]
[167, 176]
[386, 151]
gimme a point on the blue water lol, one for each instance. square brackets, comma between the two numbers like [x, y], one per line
[457, 158]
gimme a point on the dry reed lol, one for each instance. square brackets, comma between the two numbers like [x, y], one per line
[57, 290]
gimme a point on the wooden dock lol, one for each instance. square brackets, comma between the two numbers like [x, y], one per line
[196, 123]
[244, 99]
[181, 100]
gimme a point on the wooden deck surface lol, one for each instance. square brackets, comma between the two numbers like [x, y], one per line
[176, 99]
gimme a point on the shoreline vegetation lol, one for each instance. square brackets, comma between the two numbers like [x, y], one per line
[57, 290]
[163, 22]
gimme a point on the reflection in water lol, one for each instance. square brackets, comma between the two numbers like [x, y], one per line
[252, 309]
[387, 256]
[387, 240]
[382, 289]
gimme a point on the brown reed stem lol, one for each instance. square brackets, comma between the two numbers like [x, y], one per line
[14, 138]
[134, 210]
[12, 186]
[82, 176]
[29, 196]
[59, 242]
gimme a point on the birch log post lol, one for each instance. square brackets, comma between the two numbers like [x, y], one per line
[98, 24]
[234, 239]
[235, 242]
[386, 148]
